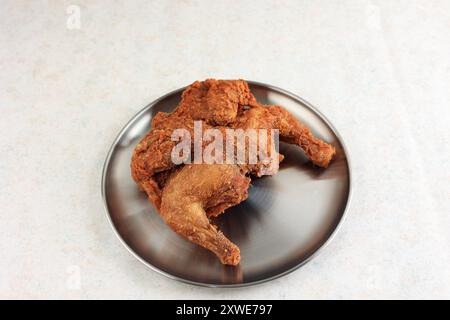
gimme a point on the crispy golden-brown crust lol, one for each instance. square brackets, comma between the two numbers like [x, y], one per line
[213, 188]
[291, 131]
[186, 196]
[215, 101]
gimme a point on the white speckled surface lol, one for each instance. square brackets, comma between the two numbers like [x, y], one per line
[379, 70]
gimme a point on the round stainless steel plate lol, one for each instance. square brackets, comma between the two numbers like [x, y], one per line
[285, 221]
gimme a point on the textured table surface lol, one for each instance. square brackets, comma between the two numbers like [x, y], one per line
[379, 70]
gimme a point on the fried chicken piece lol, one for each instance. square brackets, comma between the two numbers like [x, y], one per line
[291, 131]
[215, 101]
[186, 196]
[184, 206]
[152, 155]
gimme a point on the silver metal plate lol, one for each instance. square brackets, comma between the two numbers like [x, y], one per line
[285, 221]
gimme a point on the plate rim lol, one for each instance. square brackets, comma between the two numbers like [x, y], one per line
[244, 284]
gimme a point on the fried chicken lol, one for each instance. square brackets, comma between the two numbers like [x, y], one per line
[186, 195]
[212, 189]
[215, 101]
